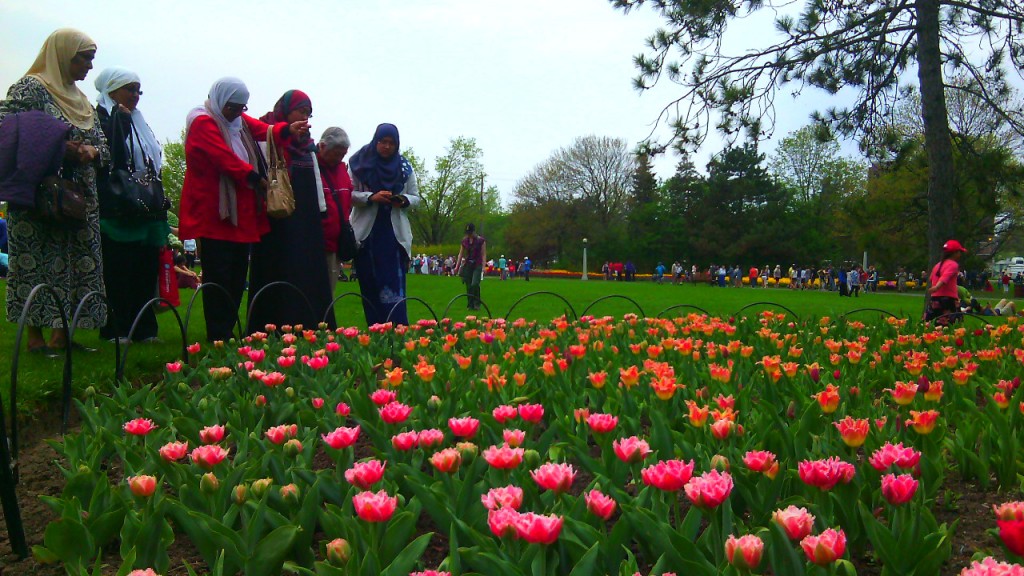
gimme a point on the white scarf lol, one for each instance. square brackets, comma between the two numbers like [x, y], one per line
[110, 80]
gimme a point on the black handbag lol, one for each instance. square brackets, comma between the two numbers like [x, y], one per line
[60, 201]
[133, 193]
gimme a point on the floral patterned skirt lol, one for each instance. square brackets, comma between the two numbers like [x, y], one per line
[68, 260]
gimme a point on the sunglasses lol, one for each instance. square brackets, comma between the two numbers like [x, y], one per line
[237, 107]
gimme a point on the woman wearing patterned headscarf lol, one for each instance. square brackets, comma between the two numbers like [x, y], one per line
[223, 198]
[292, 250]
[131, 243]
[383, 189]
[66, 259]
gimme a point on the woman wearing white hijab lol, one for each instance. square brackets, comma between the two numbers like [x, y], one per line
[66, 259]
[223, 201]
[131, 243]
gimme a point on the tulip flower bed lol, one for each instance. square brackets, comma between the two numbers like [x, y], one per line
[690, 445]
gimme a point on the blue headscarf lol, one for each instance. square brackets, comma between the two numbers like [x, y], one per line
[379, 173]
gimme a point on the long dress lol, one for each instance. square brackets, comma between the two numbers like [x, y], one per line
[293, 252]
[66, 259]
[382, 264]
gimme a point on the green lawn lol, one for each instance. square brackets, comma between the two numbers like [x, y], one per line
[39, 378]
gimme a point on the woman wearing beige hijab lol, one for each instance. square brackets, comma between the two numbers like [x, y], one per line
[66, 259]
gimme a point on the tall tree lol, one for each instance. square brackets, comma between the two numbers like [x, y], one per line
[451, 194]
[863, 47]
[579, 191]
[809, 162]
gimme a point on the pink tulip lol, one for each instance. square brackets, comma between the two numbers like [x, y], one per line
[631, 450]
[759, 460]
[826, 547]
[374, 507]
[992, 567]
[538, 529]
[140, 427]
[464, 427]
[173, 451]
[145, 572]
[503, 497]
[898, 490]
[430, 437]
[318, 362]
[362, 475]
[142, 486]
[405, 441]
[175, 367]
[317, 403]
[211, 434]
[514, 438]
[825, 474]
[342, 409]
[279, 434]
[504, 413]
[341, 437]
[710, 489]
[602, 423]
[894, 455]
[796, 522]
[395, 413]
[668, 475]
[750, 549]
[531, 413]
[555, 477]
[600, 504]
[383, 397]
[208, 456]
[504, 457]
[273, 379]
[503, 521]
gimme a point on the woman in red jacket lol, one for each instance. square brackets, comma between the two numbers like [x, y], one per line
[223, 198]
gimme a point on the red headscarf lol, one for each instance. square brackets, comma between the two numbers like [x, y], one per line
[292, 100]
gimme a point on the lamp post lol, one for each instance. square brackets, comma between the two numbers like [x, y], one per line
[584, 259]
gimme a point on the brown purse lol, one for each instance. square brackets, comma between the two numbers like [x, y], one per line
[60, 201]
[280, 197]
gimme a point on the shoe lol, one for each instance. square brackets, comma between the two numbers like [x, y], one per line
[45, 351]
[122, 340]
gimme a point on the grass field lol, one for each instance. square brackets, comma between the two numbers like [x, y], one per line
[39, 378]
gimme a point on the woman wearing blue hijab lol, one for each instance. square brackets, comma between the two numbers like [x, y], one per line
[383, 189]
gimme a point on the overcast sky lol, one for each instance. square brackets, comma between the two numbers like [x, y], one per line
[523, 77]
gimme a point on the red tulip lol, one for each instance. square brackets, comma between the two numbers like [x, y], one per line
[208, 456]
[211, 434]
[503, 497]
[504, 457]
[853, 432]
[826, 547]
[317, 403]
[273, 379]
[722, 428]
[796, 522]
[279, 434]
[140, 427]
[555, 477]
[709, 490]
[600, 504]
[759, 461]
[341, 437]
[668, 475]
[1010, 519]
[175, 367]
[923, 422]
[750, 549]
[538, 529]
[602, 423]
[362, 475]
[395, 413]
[828, 399]
[193, 348]
[429, 438]
[405, 441]
[902, 393]
[631, 450]
[142, 486]
[375, 507]
[342, 409]
[898, 489]
[464, 427]
[503, 521]
[531, 413]
[173, 451]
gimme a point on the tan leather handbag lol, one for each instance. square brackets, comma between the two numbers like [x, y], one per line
[280, 197]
